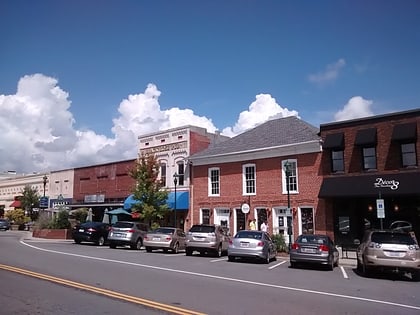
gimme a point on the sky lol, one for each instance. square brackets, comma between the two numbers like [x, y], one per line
[80, 80]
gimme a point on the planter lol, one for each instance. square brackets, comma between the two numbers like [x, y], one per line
[64, 234]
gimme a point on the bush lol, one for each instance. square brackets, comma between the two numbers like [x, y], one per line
[280, 242]
[61, 221]
[17, 216]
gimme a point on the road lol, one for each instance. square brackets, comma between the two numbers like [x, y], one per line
[99, 280]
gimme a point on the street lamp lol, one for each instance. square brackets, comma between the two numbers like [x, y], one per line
[175, 183]
[44, 181]
[288, 171]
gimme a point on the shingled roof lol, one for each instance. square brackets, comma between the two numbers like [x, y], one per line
[273, 133]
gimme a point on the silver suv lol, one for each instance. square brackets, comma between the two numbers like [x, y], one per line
[207, 239]
[127, 233]
[388, 250]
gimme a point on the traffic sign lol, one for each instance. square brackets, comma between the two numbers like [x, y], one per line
[380, 208]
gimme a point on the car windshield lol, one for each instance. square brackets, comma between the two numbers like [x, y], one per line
[249, 234]
[202, 228]
[164, 230]
[313, 239]
[123, 225]
[392, 238]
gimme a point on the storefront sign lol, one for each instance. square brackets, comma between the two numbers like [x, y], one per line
[386, 183]
[94, 198]
[166, 147]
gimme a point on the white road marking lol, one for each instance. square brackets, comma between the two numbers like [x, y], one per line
[220, 259]
[202, 275]
[344, 272]
[278, 264]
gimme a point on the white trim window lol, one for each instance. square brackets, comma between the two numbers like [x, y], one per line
[214, 181]
[249, 179]
[293, 178]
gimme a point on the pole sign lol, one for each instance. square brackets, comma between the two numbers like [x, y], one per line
[43, 202]
[380, 208]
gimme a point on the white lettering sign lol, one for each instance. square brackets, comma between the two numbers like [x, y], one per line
[386, 183]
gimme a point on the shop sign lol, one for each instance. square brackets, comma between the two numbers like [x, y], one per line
[386, 183]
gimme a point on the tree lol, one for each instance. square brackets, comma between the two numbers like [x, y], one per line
[149, 191]
[30, 200]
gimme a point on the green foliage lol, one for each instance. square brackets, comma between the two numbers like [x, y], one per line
[44, 221]
[280, 242]
[61, 221]
[30, 200]
[80, 214]
[148, 189]
[17, 216]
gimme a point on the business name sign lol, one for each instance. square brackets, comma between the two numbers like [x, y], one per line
[386, 183]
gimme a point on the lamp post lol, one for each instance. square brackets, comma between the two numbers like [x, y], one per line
[44, 181]
[175, 183]
[288, 171]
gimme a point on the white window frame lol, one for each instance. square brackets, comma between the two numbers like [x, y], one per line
[244, 192]
[293, 162]
[210, 183]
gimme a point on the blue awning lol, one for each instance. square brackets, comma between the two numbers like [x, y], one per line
[182, 201]
[118, 211]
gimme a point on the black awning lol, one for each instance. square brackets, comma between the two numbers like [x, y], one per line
[404, 132]
[334, 141]
[366, 137]
[370, 185]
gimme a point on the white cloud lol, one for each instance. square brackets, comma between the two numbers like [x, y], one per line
[329, 74]
[262, 109]
[356, 107]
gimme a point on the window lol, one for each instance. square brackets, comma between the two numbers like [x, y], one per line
[293, 182]
[337, 157]
[214, 182]
[205, 216]
[180, 174]
[249, 181]
[408, 154]
[163, 173]
[369, 158]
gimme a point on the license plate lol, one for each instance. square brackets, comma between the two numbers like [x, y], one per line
[395, 254]
[156, 239]
[308, 250]
[200, 239]
[244, 244]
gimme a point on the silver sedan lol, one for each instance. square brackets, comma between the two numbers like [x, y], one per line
[252, 244]
[166, 238]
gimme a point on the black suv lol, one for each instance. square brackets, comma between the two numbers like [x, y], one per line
[207, 239]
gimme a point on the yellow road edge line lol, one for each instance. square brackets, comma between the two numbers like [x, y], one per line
[110, 293]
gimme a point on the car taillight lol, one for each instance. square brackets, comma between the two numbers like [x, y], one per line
[168, 238]
[91, 230]
[324, 248]
[375, 245]
[131, 231]
[295, 246]
[230, 242]
[260, 244]
[146, 238]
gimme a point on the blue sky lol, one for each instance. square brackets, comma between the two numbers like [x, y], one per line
[80, 80]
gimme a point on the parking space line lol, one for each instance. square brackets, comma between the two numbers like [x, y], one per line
[217, 260]
[278, 264]
[344, 272]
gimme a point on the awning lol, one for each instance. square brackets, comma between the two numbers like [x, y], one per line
[334, 141]
[404, 132]
[16, 204]
[182, 201]
[366, 137]
[370, 185]
[118, 211]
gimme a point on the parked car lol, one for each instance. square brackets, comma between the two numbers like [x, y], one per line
[388, 250]
[127, 233]
[207, 238]
[91, 232]
[403, 226]
[4, 224]
[314, 249]
[166, 238]
[252, 244]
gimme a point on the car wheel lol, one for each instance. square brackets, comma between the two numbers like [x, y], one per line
[137, 245]
[337, 262]
[188, 252]
[292, 264]
[101, 241]
[148, 249]
[77, 241]
[331, 264]
[365, 269]
[176, 248]
[112, 246]
[231, 258]
[267, 258]
[218, 252]
[415, 275]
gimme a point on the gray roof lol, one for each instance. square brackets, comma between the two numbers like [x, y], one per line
[273, 133]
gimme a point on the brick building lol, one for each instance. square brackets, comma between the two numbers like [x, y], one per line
[371, 174]
[244, 178]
